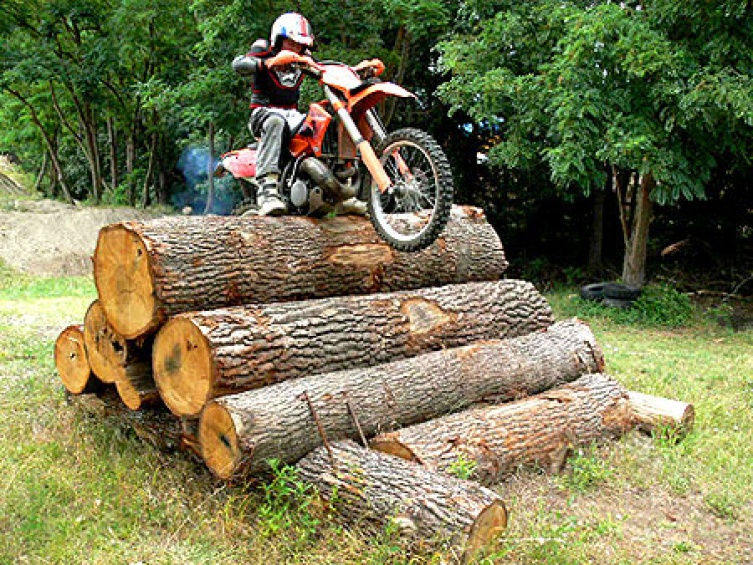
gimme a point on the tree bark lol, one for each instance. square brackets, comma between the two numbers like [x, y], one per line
[491, 442]
[72, 362]
[200, 355]
[366, 485]
[667, 418]
[240, 433]
[148, 271]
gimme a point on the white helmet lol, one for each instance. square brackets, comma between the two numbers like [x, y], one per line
[293, 26]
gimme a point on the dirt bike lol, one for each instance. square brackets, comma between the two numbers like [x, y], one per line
[404, 177]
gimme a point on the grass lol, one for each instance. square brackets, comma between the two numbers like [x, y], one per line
[77, 488]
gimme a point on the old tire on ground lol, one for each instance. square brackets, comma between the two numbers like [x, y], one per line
[621, 291]
[593, 291]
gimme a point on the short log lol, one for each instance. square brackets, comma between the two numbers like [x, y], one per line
[148, 271]
[240, 433]
[364, 485]
[125, 362]
[490, 442]
[105, 347]
[671, 419]
[72, 362]
[201, 355]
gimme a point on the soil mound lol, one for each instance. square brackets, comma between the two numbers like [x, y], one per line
[45, 237]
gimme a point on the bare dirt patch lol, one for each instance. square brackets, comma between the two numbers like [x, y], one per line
[45, 237]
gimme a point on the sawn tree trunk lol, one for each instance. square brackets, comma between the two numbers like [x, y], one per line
[148, 271]
[201, 355]
[367, 485]
[492, 441]
[239, 433]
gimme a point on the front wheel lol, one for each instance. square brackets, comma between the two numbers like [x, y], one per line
[412, 213]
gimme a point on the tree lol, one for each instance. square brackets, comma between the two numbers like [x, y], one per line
[649, 94]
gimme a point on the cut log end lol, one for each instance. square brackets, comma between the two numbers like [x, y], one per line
[390, 446]
[71, 360]
[489, 526]
[183, 367]
[123, 274]
[106, 348]
[219, 441]
[136, 388]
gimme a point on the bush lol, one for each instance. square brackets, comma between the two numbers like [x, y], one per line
[657, 306]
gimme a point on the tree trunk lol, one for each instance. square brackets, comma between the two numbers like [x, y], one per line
[210, 171]
[49, 142]
[149, 171]
[136, 385]
[113, 138]
[200, 355]
[72, 362]
[634, 263]
[366, 485]
[148, 271]
[130, 151]
[671, 419]
[493, 441]
[42, 171]
[240, 433]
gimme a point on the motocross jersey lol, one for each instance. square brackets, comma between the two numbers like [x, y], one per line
[272, 88]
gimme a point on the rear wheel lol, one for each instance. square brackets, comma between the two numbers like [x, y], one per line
[412, 213]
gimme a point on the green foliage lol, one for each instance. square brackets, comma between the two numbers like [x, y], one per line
[288, 504]
[586, 470]
[659, 305]
[463, 467]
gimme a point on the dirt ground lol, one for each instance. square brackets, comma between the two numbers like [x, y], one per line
[46, 237]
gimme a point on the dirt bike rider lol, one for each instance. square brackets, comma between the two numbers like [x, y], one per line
[274, 106]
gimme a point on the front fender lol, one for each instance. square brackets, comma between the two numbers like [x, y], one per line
[369, 97]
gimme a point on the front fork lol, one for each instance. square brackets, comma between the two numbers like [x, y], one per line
[364, 147]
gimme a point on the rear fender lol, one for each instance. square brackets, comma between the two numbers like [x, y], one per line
[240, 163]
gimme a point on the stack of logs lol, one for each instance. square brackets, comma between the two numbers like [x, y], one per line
[381, 375]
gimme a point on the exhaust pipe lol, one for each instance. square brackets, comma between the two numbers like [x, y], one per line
[322, 176]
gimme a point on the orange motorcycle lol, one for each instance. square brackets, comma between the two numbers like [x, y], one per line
[342, 150]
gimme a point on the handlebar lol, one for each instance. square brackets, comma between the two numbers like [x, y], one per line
[364, 69]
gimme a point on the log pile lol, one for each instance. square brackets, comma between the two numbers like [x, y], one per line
[251, 339]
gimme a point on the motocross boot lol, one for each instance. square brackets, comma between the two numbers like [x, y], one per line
[269, 199]
[351, 206]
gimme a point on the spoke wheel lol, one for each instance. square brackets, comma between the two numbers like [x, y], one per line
[414, 211]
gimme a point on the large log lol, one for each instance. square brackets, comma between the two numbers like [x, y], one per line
[148, 271]
[239, 433]
[201, 355]
[493, 441]
[72, 362]
[366, 485]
